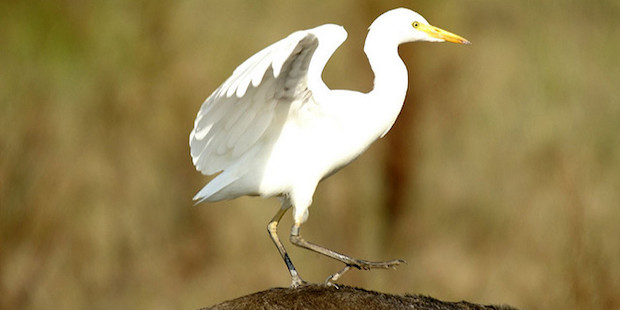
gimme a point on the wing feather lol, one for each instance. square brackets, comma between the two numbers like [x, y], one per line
[236, 118]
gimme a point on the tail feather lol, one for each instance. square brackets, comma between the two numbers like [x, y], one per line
[212, 188]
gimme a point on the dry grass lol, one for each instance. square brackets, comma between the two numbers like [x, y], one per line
[512, 187]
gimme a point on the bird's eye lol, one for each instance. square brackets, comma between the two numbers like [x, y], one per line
[415, 24]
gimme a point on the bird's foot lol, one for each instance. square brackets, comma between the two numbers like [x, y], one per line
[334, 277]
[367, 265]
[362, 264]
[297, 281]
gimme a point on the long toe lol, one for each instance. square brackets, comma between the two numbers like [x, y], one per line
[363, 264]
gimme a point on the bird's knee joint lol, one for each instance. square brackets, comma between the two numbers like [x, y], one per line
[295, 239]
[272, 227]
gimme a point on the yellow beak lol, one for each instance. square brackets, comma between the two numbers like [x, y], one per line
[439, 33]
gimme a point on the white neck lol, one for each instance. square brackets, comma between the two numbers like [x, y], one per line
[391, 77]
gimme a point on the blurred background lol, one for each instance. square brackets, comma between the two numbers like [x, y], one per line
[499, 183]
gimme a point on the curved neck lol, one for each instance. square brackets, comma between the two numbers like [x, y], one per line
[391, 77]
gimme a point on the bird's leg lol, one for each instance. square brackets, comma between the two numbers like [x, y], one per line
[296, 239]
[273, 233]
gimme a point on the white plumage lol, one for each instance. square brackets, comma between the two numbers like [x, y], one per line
[273, 128]
[239, 124]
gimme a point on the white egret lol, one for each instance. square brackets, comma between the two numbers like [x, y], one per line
[273, 128]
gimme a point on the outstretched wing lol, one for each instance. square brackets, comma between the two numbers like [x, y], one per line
[236, 117]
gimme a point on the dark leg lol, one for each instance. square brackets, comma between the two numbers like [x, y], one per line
[296, 239]
[272, 228]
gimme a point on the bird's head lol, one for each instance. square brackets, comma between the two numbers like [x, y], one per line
[405, 25]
